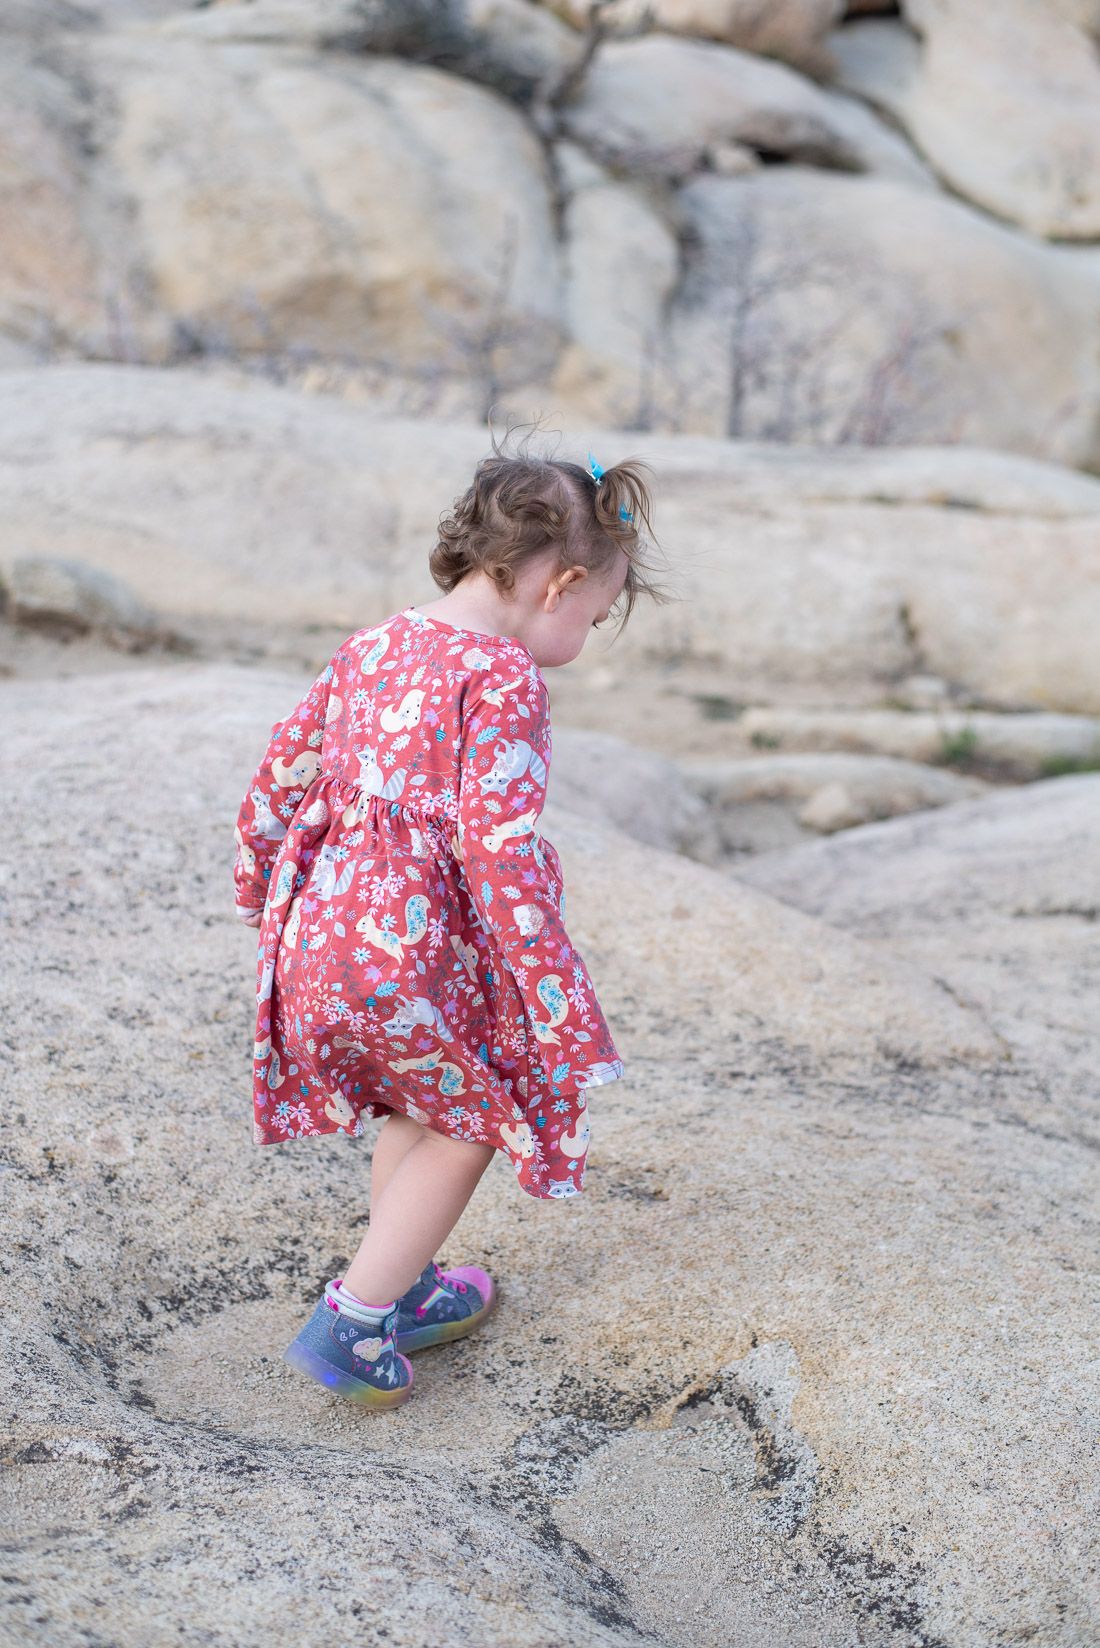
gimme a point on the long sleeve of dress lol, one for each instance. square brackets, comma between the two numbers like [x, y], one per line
[290, 764]
[514, 875]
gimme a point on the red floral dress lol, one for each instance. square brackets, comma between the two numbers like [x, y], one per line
[412, 954]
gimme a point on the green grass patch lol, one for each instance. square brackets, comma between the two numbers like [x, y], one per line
[958, 749]
[899, 705]
[1057, 766]
[717, 707]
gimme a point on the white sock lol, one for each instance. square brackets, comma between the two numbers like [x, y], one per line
[351, 1304]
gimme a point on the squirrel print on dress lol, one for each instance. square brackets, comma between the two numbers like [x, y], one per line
[552, 996]
[284, 884]
[395, 944]
[452, 1083]
[298, 773]
[371, 659]
[406, 715]
[511, 828]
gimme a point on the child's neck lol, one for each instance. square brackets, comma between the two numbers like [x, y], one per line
[483, 612]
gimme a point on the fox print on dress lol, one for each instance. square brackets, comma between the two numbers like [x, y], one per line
[412, 950]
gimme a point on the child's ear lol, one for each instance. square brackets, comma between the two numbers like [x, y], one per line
[561, 581]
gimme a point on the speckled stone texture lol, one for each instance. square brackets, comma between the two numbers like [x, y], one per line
[811, 1363]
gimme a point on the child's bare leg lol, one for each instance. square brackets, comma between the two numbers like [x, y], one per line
[397, 1133]
[424, 1196]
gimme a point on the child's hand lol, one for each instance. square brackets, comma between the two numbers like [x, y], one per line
[251, 918]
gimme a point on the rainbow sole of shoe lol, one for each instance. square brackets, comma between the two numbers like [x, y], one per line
[304, 1360]
[443, 1332]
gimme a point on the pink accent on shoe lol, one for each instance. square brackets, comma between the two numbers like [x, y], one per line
[465, 1275]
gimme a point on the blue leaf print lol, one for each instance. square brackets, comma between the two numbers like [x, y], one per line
[581, 1035]
[484, 736]
[486, 893]
[560, 1071]
[338, 928]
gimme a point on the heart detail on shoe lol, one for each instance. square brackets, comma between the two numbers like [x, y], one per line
[367, 1348]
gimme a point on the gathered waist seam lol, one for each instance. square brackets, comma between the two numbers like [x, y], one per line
[393, 806]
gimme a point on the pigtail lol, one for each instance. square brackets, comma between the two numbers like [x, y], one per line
[621, 504]
[622, 499]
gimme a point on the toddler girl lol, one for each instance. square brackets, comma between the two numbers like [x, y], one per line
[413, 961]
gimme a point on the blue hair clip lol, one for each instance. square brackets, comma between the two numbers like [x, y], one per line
[597, 472]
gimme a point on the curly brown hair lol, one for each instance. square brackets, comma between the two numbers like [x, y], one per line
[519, 504]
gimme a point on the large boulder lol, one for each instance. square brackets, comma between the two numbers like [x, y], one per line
[839, 1129]
[818, 307]
[257, 511]
[663, 107]
[979, 72]
[250, 200]
[372, 208]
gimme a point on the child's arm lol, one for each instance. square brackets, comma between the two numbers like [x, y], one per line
[515, 877]
[290, 764]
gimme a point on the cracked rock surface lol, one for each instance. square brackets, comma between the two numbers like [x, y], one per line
[809, 1363]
